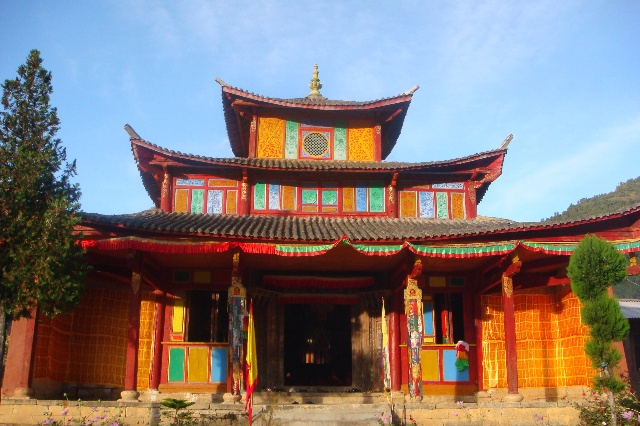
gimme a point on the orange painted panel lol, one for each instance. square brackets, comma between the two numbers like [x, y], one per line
[348, 199]
[223, 182]
[198, 364]
[360, 141]
[408, 206]
[271, 134]
[288, 197]
[457, 205]
[181, 200]
[232, 202]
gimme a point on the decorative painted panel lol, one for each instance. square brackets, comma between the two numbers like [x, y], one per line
[449, 369]
[449, 185]
[232, 202]
[259, 196]
[442, 205]
[288, 197]
[197, 200]
[181, 202]
[291, 141]
[361, 197]
[223, 182]
[427, 209]
[408, 204]
[360, 140]
[274, 196]
[430, 363]
[190, 182]
[214, 201]
[271, 136]
[340, 141]
[198, 363]
[348, 199]
[376, 197]
[309, 196]
[329, 196]
[218, 365]
[457, 205]
[176, 364]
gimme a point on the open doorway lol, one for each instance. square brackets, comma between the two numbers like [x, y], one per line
[317, 345]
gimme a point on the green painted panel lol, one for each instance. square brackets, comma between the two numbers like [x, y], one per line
[176, 364]
[259, 196]
[291, 140]
[197, 200]
[329, 197]
[340, 141]
[309, 196]
[376, 197]
[442, 205]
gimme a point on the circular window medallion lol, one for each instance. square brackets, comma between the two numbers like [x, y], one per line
[315, 144]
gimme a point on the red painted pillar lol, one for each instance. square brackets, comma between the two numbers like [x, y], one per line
[130, 392]
[165, 196]
[18, 371]
[156, 362]
[244, 206]
[394, 349]
[508, 309]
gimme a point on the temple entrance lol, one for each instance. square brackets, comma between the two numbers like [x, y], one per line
[317, 345]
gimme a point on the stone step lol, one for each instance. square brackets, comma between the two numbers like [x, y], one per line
[315, 415]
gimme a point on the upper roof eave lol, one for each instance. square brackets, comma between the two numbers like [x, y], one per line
[318, 103]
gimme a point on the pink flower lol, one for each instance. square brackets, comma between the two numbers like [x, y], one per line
[65, 412]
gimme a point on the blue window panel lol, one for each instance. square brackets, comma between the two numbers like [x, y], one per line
[450, 185]
[190, 182]
[361, 198]
[214, 201]
[426, 205]
[451, 373]
[218, 365]
[274, 197]
[427, 308]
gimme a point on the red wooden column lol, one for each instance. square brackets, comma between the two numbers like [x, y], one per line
[18, 371]
[393, 196]
[130, 392]
[510, 331]
[165, 196]
[158, 330]
[377, 142]
[244, 205]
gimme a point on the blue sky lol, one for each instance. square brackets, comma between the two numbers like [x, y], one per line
[561, 76]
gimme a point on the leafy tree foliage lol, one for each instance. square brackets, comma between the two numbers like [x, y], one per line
[626, 194]
[41, 262]
[594, 266]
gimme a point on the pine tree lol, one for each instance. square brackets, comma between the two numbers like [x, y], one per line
[41, 261]
[594, 266]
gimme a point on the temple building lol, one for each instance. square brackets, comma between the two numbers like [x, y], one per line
[310, 223]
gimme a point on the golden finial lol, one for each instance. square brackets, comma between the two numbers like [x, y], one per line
[315, 84]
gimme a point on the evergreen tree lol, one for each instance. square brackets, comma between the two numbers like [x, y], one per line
[41, 261]
[594, 266]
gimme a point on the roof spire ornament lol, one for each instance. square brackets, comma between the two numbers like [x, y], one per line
[315, 84]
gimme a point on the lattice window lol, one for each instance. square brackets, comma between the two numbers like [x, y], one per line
[315, 144]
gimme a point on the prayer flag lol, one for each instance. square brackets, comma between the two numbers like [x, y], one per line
[251, 374]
